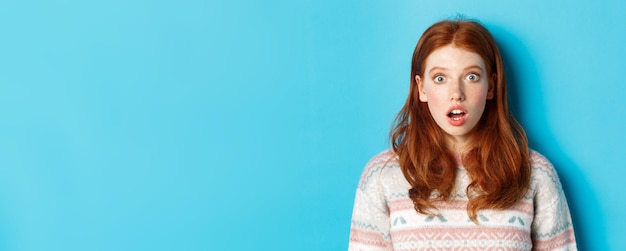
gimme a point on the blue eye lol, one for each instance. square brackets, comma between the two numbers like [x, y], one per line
[439, 79]
[472, 77]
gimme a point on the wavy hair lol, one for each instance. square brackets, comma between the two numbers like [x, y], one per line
[498, 160]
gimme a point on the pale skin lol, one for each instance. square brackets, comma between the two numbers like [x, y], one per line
[455, 85]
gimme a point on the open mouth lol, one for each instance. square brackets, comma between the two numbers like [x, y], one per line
[456, 114]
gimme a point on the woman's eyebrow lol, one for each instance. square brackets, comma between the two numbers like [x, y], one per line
[473, 67]
[437, 68]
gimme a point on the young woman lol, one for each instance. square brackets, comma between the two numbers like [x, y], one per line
[460, 175]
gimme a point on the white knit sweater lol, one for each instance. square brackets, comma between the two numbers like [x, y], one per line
[384, 217]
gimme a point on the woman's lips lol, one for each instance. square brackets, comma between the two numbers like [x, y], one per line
[457, 115]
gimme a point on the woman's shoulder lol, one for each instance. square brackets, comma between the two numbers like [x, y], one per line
[539, 162]
[383, 157]
[543, 172]
[381, 163]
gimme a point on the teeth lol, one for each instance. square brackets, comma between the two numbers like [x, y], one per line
[456, 111]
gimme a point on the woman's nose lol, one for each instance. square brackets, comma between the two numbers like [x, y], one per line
[456, 91]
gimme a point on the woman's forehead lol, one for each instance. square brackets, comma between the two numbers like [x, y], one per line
[453, 58]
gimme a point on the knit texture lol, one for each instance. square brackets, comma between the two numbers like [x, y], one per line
[384, 217]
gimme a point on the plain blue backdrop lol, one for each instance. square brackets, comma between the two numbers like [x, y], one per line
[244, 125]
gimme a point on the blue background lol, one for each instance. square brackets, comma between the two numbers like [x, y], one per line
[244, 125]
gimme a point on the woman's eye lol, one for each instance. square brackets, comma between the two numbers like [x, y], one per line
[473, 77]
[439, 79]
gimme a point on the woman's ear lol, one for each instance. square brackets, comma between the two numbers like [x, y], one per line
[420, 89]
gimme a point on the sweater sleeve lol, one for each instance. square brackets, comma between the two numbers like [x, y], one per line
[552, 225]
[370, 216]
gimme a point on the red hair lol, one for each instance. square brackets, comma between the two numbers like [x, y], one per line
[498, 160]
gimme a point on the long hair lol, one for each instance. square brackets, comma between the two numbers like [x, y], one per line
[498, 160]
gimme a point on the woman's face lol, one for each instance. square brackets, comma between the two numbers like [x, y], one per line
[455, 85]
